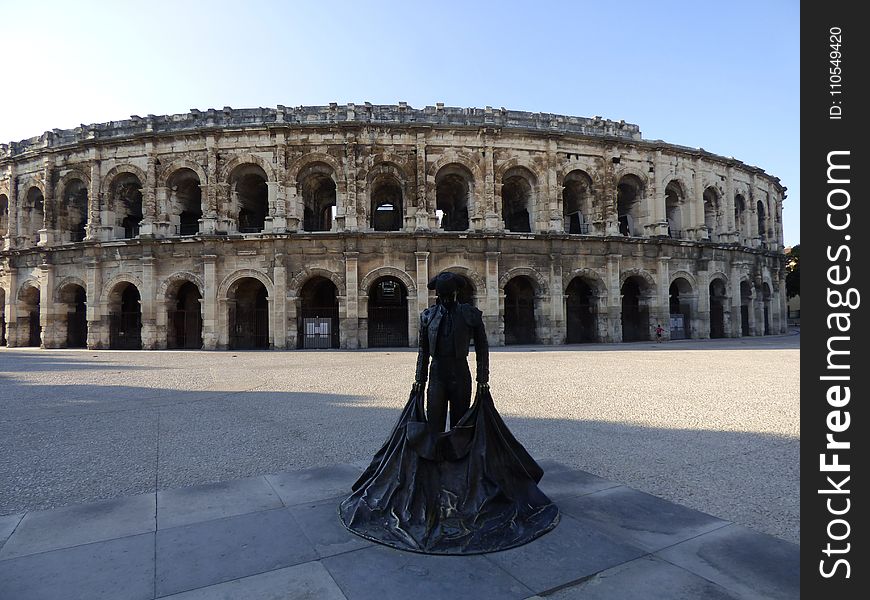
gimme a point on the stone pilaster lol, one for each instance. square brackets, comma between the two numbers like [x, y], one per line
[97, 335]
[279, 303]
[47, 316]
[48, 232]
[150, 339]
[422, 281]
[150, 216]
[350, 336]
[663, 301]
[14, 204]
[491, 304]
[557, 301]
[614, 299]
[209, 302]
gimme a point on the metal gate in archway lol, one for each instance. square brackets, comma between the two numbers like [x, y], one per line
[388, 314]
[125, 331]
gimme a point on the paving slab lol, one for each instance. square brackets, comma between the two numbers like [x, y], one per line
[308, 581]
[184, 506]
[8, 523]
[78, 524]
[749, 564]
[382, 573]
[566, 554]
[566, 483]
[216, 551]
[643, 579]
[321, 525]
[642, 519]
[307, 485]
[110, 570]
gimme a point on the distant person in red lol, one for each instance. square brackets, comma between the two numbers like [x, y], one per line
[659, 332]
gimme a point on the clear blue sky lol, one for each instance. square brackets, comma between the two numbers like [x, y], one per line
[721, 76]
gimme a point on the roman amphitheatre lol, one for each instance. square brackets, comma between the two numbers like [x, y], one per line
[319, 227]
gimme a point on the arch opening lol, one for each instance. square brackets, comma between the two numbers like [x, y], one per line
[711, 212]
[519, 311]
[388, 313]
[125, 318]
[386, 205]
[319, 197]
[126, 193]
[34, 214]
[318, 325]
[739, 217]
[3, 341]
[74, 298]
[581, 312]
[73, 211]
[635, 310]
[251, 197]
[249, 315]
[452, 191]
[516, 203]
[674, 200]
[745, 307]
[185, 201]
[680, 308]
[29, 303]
[577, 202]
[718, 297]
[629, 193]
[185, 318]
[4, 215]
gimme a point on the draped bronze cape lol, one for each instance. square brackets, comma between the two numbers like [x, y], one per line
[470, 490]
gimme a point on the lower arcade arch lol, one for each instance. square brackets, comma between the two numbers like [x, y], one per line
[581, 312]
[318, 325]
[184, 318]
[635, 309]
[73, 299]
[125, 317]
[28, 316]
[519, 311]
[2, 317]
[387, 313]
[681, 302]
[718, 301]
[248, 307]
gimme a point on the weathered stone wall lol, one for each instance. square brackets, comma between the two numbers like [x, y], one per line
[649, 214]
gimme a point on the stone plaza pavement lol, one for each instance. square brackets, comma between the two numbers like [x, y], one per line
[177, 470]
[278, 536]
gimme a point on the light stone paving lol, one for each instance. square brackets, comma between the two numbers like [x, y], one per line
[713, 425]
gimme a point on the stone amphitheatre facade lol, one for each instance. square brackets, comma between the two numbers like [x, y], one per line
[321, 226]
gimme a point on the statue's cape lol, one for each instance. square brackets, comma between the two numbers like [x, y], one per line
[470, 490]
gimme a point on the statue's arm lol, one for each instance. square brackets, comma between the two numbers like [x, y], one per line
[423, 352]
[481, 349]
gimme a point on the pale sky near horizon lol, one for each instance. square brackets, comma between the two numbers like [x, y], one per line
[719, 76]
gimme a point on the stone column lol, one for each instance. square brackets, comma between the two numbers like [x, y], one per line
[728, 222]
[12, 230]
[48, 232]
[279, 219]
[209, 201]
[12, 307]
[422, 213]
[209, 303]
[347, 207]
[609, 214]
[614, 300]
[663, 310]
[350, 326]
[490, 213]
[557, 301]
[697, 223]
[46, 306]
[422, 281]
[97, 336]
[702, 319]
[150, 339]
[272, 194]
[150, 217]
[553, 219]
[279, 278]
[492, 318]
[736, 311]
[95, 231]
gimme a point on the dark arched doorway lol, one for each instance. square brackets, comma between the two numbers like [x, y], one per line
[29, 302]
[635, 312]
[125, 318]
[580, 312]
[318, 314]
[519, 311]
[765, 298]
[185, 318]
[680, 308]
[2, 317]
[74, 297]
[745, 307]
[249, 315]
[717, 308]
[388, 313]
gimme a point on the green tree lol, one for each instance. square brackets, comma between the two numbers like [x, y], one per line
[793, 272]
